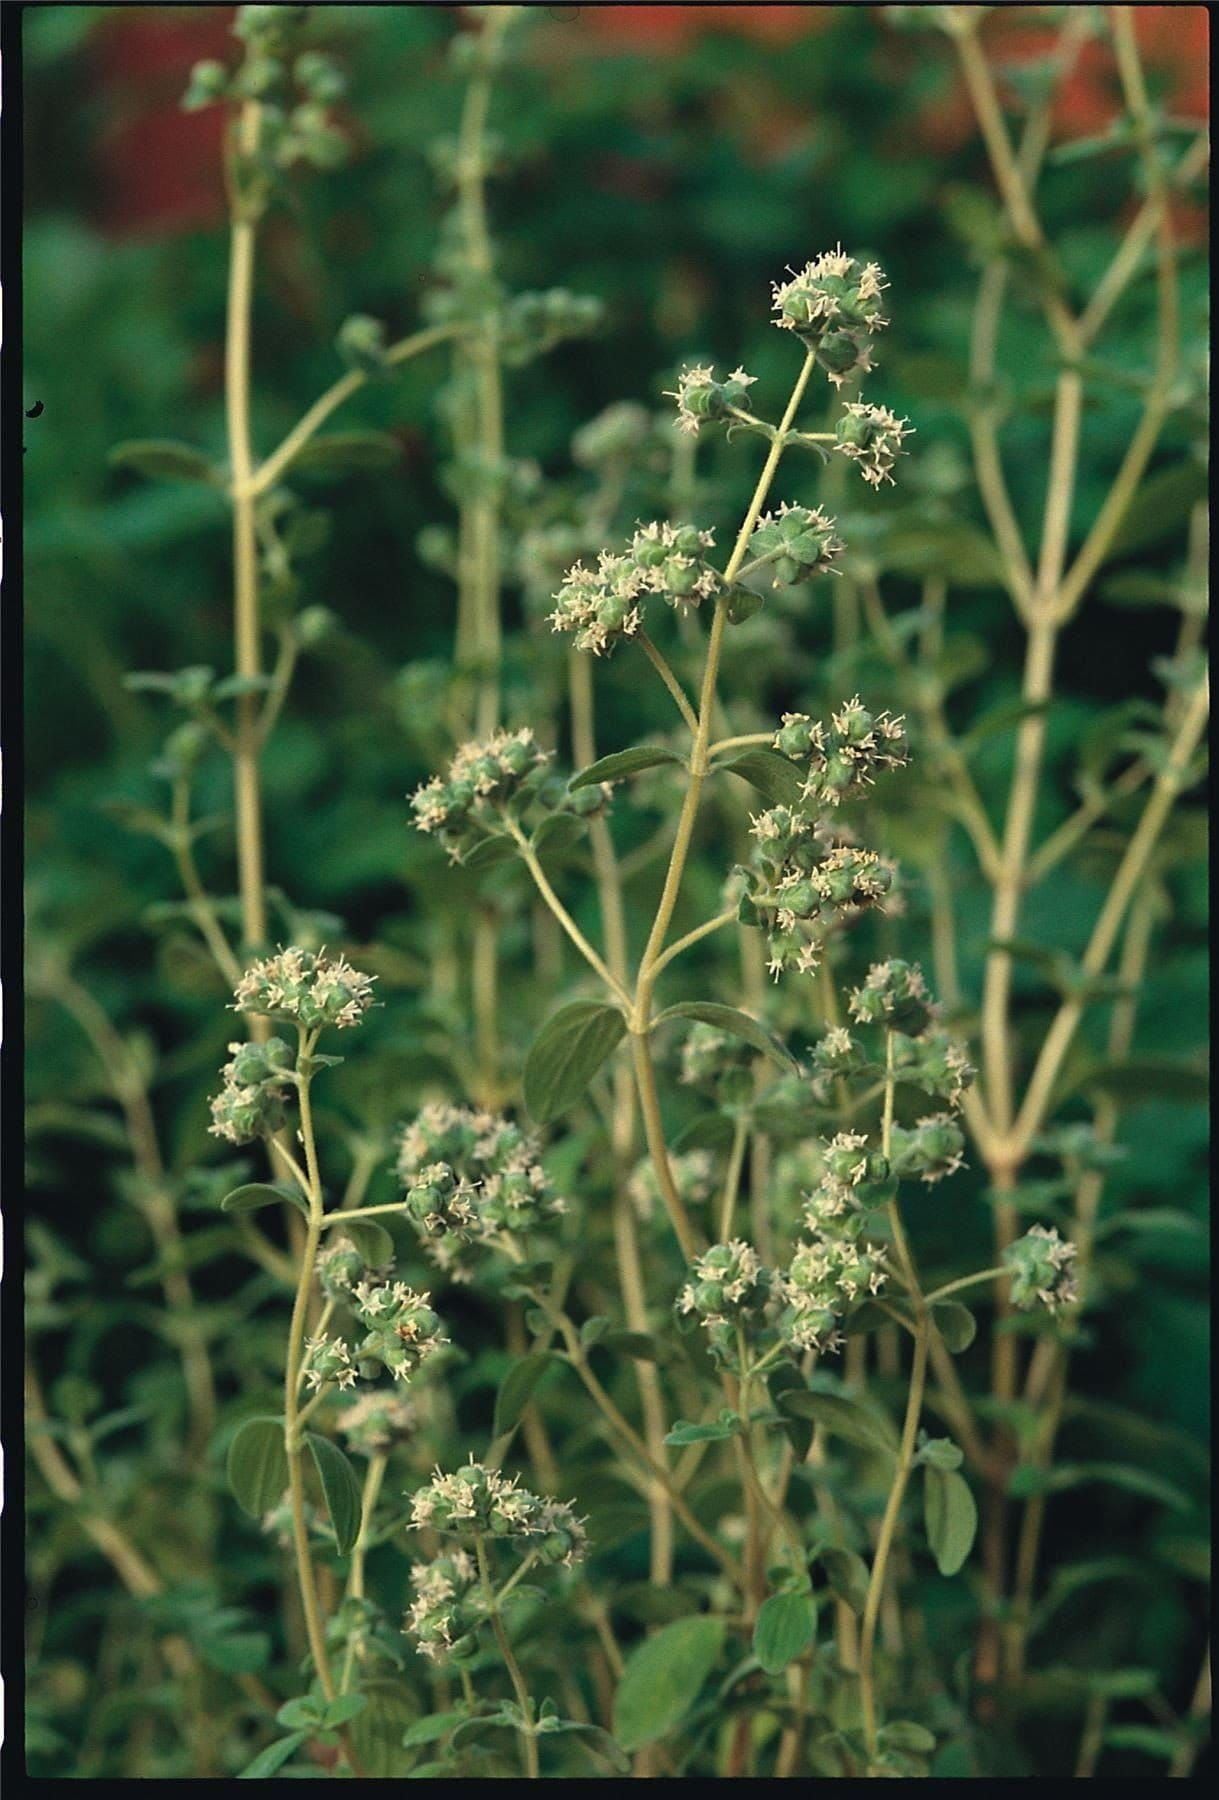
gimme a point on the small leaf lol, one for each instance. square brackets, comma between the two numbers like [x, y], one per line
[955, 1324]
[427, 1731]
[373, 1242]
[847, 1574]
[273, 1758]
[951, 1517]
[785, 1627]
[1027, 1480]
[777, 780]
[162, 459]
[623, 763]
[663, 1678]
[347, 453]
[341, 1709]
[257, 1194]
[516, 1387]
[496, 848]
[567, 1053]
[341, 1486]
[737, 1024]
[257, 1465]
[849, 1419]
[712, 1432]
[904, 1734]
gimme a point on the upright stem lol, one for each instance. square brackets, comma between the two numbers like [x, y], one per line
[529, 1741]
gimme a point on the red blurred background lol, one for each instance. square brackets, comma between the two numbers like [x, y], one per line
[159, 165]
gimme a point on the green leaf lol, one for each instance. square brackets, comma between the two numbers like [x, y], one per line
[436, 1725]
[713, 1431]
[273, 1758]
[257, 1194]
[849, 1419]
[257, 1465]
[516, 1387]
[847, 1574]
[377, 1733]
[955, 1324]
[784, 1630]
[162, 459]
[904, 1734]
[737, 1024]
[1028, 1480]
[558, 831]
[341, 1486]
[496, 848]
[950, 1514]
[663, 1678]
[1132, 1081]
[777, 780]
[1162, 504]
[373, 1242]
[347, 453]
[342, 1709]
[566, 1054]
[624, 762]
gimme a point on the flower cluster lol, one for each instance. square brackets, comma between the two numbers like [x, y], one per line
[701, 398]
[296, 123]
[402, 1329]
[844, 757]
[931, 1149]
[601, 606]
[895, 994]
[797, 541]
[472, 1177]
[378, 1420]
[482, 782]
[693, 1173]
[803, 875]
[251, 1103]
[446, 1610]
[827, 1275]
[532, 324]
[1042, 1266]
[727, 1291]
[833, 306]
[479, 1502]
[935, 1062]
[872, 437]
[673, 564]
[306, 986]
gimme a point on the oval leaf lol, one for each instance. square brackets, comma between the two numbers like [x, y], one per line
[567, 1053]
[844, 1418]
[257, 1465]
[624, 762]
[951, 1517]
[371, 1240]
[257, 1194]
[516, 1387]
[847, 1574]
[737, 1024]
[955, 1324]
[341, 1487]
[273, 1758]
[347, 453]
[784, 1630]
[776, 779]
[161, 459]
[663, 1677]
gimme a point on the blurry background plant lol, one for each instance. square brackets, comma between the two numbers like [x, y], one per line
[669, 162]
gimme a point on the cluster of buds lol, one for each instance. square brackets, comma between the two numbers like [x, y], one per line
[483, 782]
[844, 757]
[835, 1056]
[802, 880]
[833, 305]
[378, 1420]
[294, 94]
[251, 1103]
[1042, 1267]
[797, 542]
[306, 986]
[472, 1177]
[854, 1179]
[693, 1173]
[329, 1359]
[931, 1149]
[714, 1060]
[894, 994]
[827, 1276]
[601, 606]
[480, 1502]
[935, 1062]
[727, 1292]
[340, 1267]
[532, 324]
[673, 562]
[447, 1608]
[618, 431]
[871, 436]
[701, 398]
[402, 1329]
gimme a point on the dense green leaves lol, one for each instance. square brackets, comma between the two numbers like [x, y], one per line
[566, 1054]
[663, 1678]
